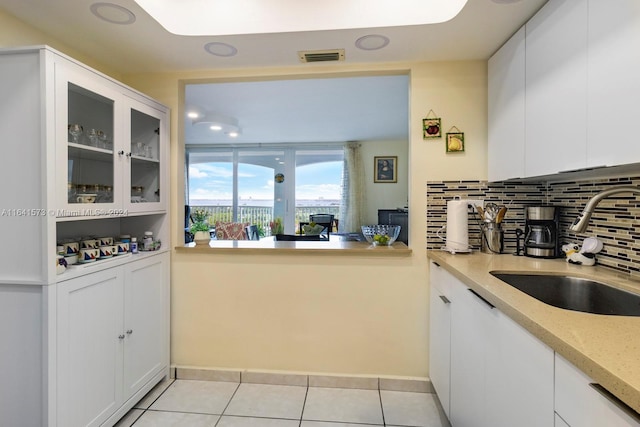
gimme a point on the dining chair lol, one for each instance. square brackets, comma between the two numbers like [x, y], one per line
[252, 232]
[326, 220]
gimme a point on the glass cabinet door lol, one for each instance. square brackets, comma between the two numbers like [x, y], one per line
[145, 125]
[88, 184]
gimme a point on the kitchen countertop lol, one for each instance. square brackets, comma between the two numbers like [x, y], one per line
[335, 246]
[606, 348]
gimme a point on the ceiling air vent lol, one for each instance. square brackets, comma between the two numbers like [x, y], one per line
[321, 55]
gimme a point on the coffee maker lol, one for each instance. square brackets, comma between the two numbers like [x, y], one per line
[541, 232]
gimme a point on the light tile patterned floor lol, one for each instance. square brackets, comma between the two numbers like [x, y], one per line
[189, 403]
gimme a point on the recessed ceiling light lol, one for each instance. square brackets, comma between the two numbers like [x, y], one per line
[233, 134]
[215, 127]
[372, 42]
[113, 13]
[192, 115]
[220, 49]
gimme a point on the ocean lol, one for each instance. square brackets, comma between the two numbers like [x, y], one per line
[260, 203]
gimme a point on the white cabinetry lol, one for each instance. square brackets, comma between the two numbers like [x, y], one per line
[145, 321]
[613, 85]
[506, 110]
[522, 378]
[89, 348]
[473, 346]
[580, 79]
[119, 154]
[500, 374]
[581, 403]
[101, 334]
[556, 88]
[440, 334]
[111, 338]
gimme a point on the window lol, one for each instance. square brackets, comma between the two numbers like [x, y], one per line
[258, 184]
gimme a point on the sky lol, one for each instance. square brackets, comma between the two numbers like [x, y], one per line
[213, 181]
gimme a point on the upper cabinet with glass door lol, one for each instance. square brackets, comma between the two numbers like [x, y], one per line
[146, 158]
[109, 149]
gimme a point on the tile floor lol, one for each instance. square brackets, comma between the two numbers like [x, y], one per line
[190, 403]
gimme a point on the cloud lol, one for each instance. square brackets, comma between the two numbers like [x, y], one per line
[196, 173]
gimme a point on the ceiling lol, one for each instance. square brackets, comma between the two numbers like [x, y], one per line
[304, 110]
[145, 46]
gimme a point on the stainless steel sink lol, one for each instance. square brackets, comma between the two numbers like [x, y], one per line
[574, 293]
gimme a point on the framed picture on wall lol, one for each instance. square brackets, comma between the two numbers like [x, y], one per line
[385, 169]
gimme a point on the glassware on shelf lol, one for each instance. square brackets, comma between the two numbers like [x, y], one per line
[93, 137]
[108, 194]
[102, 138]
[139, 149]
[75, 131]
[71, 191]
[147, 150]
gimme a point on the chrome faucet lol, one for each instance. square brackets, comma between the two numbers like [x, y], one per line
[580, 224]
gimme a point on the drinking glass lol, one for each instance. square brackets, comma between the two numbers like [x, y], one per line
[93, 138]
[102, 137]
[75, 131]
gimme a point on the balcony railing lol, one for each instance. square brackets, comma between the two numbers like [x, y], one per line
[263, 215]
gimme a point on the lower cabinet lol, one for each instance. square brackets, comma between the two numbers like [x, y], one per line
[474, 343]
[440, 336]
[112, 335]
[579, 402]
[500, 374]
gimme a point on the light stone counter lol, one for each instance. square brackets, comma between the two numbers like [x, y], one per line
[335, 246]
[606, 348]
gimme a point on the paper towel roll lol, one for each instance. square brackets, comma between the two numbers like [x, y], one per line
[457, 226]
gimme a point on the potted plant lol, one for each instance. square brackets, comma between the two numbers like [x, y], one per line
[200, 226]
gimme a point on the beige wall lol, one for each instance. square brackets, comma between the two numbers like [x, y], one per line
[384, 195]
[332, 314]
[14, 32]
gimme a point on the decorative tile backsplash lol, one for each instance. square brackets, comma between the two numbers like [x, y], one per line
[615, 220]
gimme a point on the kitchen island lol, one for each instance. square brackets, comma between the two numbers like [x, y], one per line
[604, 347]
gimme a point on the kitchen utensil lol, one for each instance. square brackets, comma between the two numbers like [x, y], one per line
[492, 238]
[501, 214]
[480, 212]
[490, 212]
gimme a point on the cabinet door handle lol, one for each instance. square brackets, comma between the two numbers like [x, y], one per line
[129, 331]
[121, 336]
[483, 300]
[444, 299]
[121, 153]
[128, 154]
[614, 400]
[435, 263]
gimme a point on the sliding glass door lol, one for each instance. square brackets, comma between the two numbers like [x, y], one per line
[257, 184]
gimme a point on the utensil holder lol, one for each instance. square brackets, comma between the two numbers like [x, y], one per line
[492, 238]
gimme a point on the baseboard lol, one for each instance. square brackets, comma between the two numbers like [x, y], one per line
[389, 383]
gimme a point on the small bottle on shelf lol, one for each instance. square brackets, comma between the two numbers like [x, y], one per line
[148, 241]
[134, 245]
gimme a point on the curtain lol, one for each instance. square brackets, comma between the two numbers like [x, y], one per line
[352, 189]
